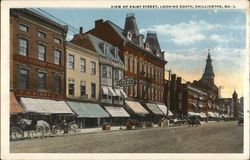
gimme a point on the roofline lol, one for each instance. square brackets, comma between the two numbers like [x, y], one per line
[43, 18]
[150, 53]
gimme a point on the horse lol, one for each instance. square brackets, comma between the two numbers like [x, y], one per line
[33, 125]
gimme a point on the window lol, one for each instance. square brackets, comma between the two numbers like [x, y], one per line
[71, 87]
[93, 90]
[83, 88]
[135, 65]
[126, 61]
[23, 47]
[41, 52]
[131, 63]
[93, 68]
[71, 61]
[141, 65]
[135, 89]
[145, 69]
[116, 74]
[23, 78]
[41, 34]
[57, 40]
[131, 91]
[149, 70]
[83, 65]
[57, 84]
[109, 72]
[23, 28]
[41, 80]
[104, 71]
[57, 57]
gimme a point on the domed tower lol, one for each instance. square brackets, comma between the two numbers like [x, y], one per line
[209, 71]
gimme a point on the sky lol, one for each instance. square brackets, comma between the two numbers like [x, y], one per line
[185, 36]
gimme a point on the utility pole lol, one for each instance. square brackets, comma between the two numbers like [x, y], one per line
[168, 98]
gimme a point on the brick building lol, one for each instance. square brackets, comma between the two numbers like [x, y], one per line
[143, 60]
[37, 62]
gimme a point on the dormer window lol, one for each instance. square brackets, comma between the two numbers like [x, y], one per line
[116, 52]
[147, 46]
[129, 36]
[157, 53]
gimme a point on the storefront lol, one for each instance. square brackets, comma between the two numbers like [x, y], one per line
[136, 110]
[51, 111]
[211, 116]
[15, 109]
[118, 115]
[88, 114]
[155, 113]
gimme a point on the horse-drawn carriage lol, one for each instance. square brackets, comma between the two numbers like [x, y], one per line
[25, 128]
[194, 120]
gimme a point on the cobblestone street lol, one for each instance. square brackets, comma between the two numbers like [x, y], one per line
[218, 137]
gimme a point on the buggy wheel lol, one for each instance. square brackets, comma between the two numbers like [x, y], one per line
[56, 130]
[16, 133]
[73, 128]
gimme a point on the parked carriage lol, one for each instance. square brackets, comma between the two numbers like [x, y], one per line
[64, 127]
[26, 128]
[194, 121]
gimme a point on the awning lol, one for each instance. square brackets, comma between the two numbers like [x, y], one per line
[117, 92]
[123, 93]
[217, 107]
[136, 107]
[117, 111]
[163, 108]
[154, 109]
[209, 105]
[111, 91]
[170, 113]
[45, 106]
[193, 114]
[14, 105]
[211, 114]
[87, 110]
[105, 90]
[194, 105]
[216, 114]
[203, 115]
[201, 105]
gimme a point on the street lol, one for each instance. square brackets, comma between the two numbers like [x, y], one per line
[217, 137]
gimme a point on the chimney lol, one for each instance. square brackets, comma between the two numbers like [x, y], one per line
[81, 30]
[173, 77]
[178, 80]
[98, 22]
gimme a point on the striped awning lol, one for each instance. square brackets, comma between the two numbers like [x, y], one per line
[154, 109]
[45, 106]
[211, 114]
[87, 110]
[136, 107]
[193, 114]
[116, 111]
[14, 105]
[203, 115]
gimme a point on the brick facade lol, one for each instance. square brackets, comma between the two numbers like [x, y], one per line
[34, 24]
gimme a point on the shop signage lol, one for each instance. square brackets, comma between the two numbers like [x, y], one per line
[127, 82]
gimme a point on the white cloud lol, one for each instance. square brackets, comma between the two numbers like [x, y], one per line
[69, 37]
[189, 32]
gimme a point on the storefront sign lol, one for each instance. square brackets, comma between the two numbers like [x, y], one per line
[127, 82]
